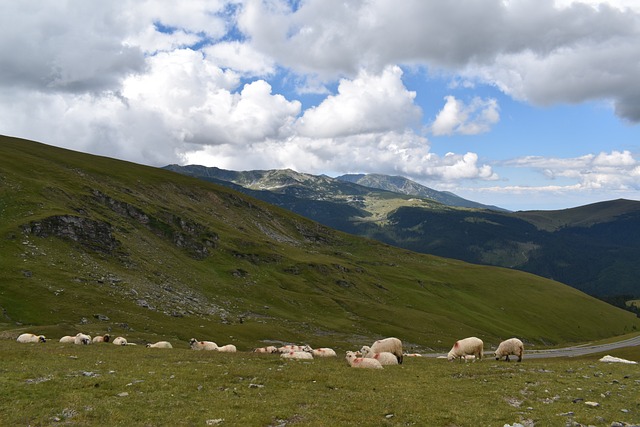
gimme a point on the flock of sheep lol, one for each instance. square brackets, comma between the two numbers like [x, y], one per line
[84, 339]
[383, 352]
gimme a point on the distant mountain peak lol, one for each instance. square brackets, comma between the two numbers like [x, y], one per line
[402, 185]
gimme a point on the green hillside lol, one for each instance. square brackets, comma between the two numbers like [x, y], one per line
[593, 248]
[93, 244]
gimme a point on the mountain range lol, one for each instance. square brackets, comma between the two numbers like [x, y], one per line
[92, 244]
[593, 248]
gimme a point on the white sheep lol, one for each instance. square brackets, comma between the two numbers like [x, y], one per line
[101, 338]
[68, 339]
[31, 338]
[82, 339]
[290, 347]
[507, 347]
[160, 344]
[120, 341]
[269, 349]
[391, 345]
[385, 358]
[361, 362]
[229, 348]
[320, 352]
[296, 355]
[467, 346]
[202, 345]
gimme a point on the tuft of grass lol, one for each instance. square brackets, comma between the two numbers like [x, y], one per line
[54, 384]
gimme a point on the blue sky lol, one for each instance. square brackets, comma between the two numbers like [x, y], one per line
[524, 104]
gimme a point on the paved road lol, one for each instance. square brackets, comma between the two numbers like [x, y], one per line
[568, 351]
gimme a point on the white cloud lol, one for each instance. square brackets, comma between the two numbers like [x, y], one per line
[240, 57]
[369, 103]
[200, 103]
[617, 170]
[46, 45]
[534, 50]
[458, 118]
[393, 153]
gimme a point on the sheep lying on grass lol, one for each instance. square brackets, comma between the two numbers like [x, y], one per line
[160, 344]
[31, 338]
[298, 355]
[120, 341]
[290, 347]
[82, 339]
[467, 346]
[361, 362]
[101, 338]
[385, 358]
[269, 349]
[320, 352]
[391, 345]
[229, 348]
[202, 345]
[68, 339]
[511, 346]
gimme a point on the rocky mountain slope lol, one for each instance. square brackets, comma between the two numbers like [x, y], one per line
[94, 244]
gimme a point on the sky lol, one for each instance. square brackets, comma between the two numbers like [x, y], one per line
[523, 104]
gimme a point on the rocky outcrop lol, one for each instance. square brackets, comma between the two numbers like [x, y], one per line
[189, 235]
[90, 234]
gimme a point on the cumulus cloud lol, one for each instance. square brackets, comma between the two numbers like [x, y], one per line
[472, 119]
[369, 103]
[202, 104]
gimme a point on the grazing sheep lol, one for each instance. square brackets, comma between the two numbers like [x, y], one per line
[361, 362]
[320, 352]
[511, 346]
[120, 341]
[160, 344]
[391, 345]
[82, 339]
[270, 349]
[101, 338]
[229, 348]
[31, 338]
[202, 345]
[467, 346]
[385, 358]
[68, 339]
[290, 347]
[296, 355]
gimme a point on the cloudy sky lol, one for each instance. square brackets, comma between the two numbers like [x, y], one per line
[525, 104]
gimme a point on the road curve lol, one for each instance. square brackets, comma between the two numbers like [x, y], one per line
[579, 350]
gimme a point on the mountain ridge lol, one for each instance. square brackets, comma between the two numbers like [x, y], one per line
[402, 185]
[569, 245]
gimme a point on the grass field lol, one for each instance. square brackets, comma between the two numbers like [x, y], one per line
[53, 384]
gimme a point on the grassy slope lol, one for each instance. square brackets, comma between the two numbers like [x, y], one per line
[271, 276]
